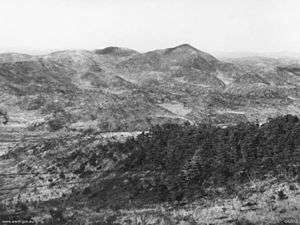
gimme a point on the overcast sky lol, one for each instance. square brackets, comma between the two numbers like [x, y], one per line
[210, 25]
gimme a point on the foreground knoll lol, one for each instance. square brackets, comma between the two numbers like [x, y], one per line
[172, 174]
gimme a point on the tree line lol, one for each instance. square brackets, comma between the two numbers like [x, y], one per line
[192, 157]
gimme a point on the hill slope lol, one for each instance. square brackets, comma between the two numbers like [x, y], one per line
[121, 89]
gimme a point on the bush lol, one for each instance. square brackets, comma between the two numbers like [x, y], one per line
[34, 103]
[56, 124]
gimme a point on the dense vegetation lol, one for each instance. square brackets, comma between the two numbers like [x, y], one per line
[171, 163]
[175, 162]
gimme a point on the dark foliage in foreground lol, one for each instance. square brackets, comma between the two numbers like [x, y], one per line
[172, 161]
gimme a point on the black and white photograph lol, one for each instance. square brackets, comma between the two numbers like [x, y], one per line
[150, 112]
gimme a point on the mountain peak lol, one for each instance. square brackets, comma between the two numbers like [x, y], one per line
[183, 47]
[186, 50]
[116, 51]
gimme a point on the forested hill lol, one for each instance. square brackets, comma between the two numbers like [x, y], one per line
[172, 161]
[171, 164]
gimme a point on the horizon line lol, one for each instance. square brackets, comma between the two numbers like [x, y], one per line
[41, 51]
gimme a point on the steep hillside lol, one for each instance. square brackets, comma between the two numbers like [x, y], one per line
[184, 62]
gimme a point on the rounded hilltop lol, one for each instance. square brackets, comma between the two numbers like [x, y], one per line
[116, 51]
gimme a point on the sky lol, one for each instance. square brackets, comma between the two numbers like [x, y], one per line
[209, 25]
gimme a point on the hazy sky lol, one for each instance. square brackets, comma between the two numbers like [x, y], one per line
[210, 25]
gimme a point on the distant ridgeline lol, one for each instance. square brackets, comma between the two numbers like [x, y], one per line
[295, 70]
[120, 89]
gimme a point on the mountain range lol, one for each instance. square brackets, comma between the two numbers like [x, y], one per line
[120, 89]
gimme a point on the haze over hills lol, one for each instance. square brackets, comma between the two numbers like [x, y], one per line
[121, 89]
[244, 54]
